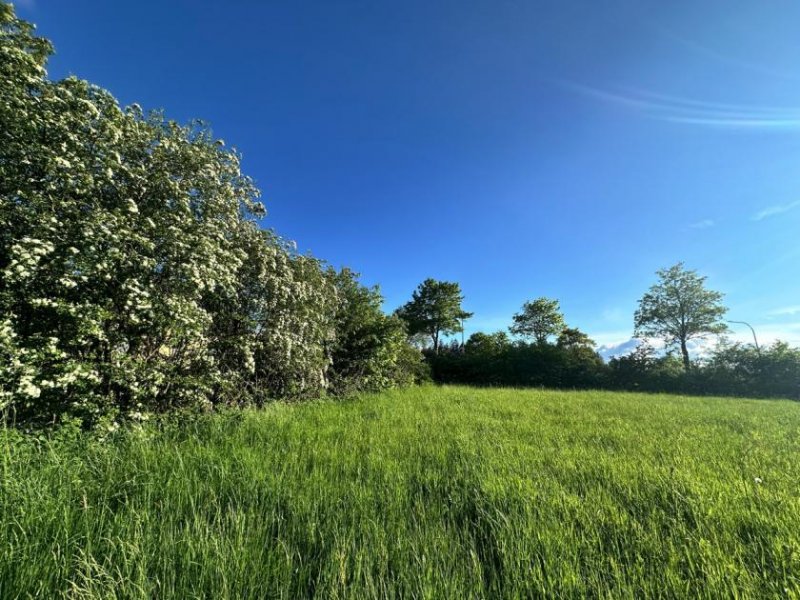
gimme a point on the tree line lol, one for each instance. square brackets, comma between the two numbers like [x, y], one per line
[540, 349]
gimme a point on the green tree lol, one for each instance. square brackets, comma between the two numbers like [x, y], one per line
[539, 320]
[369, 351]
[434, 310]
[487, 344]
[572, 337]
[679, 308]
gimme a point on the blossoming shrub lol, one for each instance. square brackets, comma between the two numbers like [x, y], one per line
[133, 276]
[292, 317]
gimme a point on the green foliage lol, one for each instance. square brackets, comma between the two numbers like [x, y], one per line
[743, 369]
[493, 360]
[434, 310]
[539, 320]
[424, 493]
[411, 367]
[643, 369]
[732, 369]
[369, 346]
[487, 345]
[679, 308]
[572, 337]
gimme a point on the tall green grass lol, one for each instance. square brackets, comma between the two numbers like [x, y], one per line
[424, 493]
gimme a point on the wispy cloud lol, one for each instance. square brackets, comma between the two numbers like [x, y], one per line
[704, 224]
[768, 333]
[693, 111]
[777, 209]
[610, 338]
[723, 57]
[785, 311]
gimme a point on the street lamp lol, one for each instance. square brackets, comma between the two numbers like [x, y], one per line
[755, 339]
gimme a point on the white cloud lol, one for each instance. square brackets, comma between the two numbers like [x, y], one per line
[785, 311]
[698, 348]
[767, 333]
[609, 351]
[611, 338]
[777, 209]
[704, 224]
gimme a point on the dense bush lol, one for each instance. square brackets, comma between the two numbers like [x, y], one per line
[643, 369]
[133, 275]
[371, 349]
[745, 370]
[492, 359]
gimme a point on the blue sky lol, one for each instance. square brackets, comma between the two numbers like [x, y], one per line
[561, 148]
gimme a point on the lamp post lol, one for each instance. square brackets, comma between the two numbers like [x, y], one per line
[755, 339]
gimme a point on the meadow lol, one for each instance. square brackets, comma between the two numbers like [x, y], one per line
[428, 492]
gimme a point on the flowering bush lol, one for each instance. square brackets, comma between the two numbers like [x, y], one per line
[133, 276]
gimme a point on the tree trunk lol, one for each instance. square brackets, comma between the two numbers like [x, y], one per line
[435, 342]
[686, 364]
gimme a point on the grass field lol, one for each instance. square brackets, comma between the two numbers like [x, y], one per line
[424, 493]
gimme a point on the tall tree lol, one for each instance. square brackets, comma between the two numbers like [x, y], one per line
[679, 308]
[539, 319]
[434, 310]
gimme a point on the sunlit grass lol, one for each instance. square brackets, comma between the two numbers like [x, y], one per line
[430, 492]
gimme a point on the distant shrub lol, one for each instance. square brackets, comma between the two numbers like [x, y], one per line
[731, 370]
[645, 370]
[741, 369]
[492, 359]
